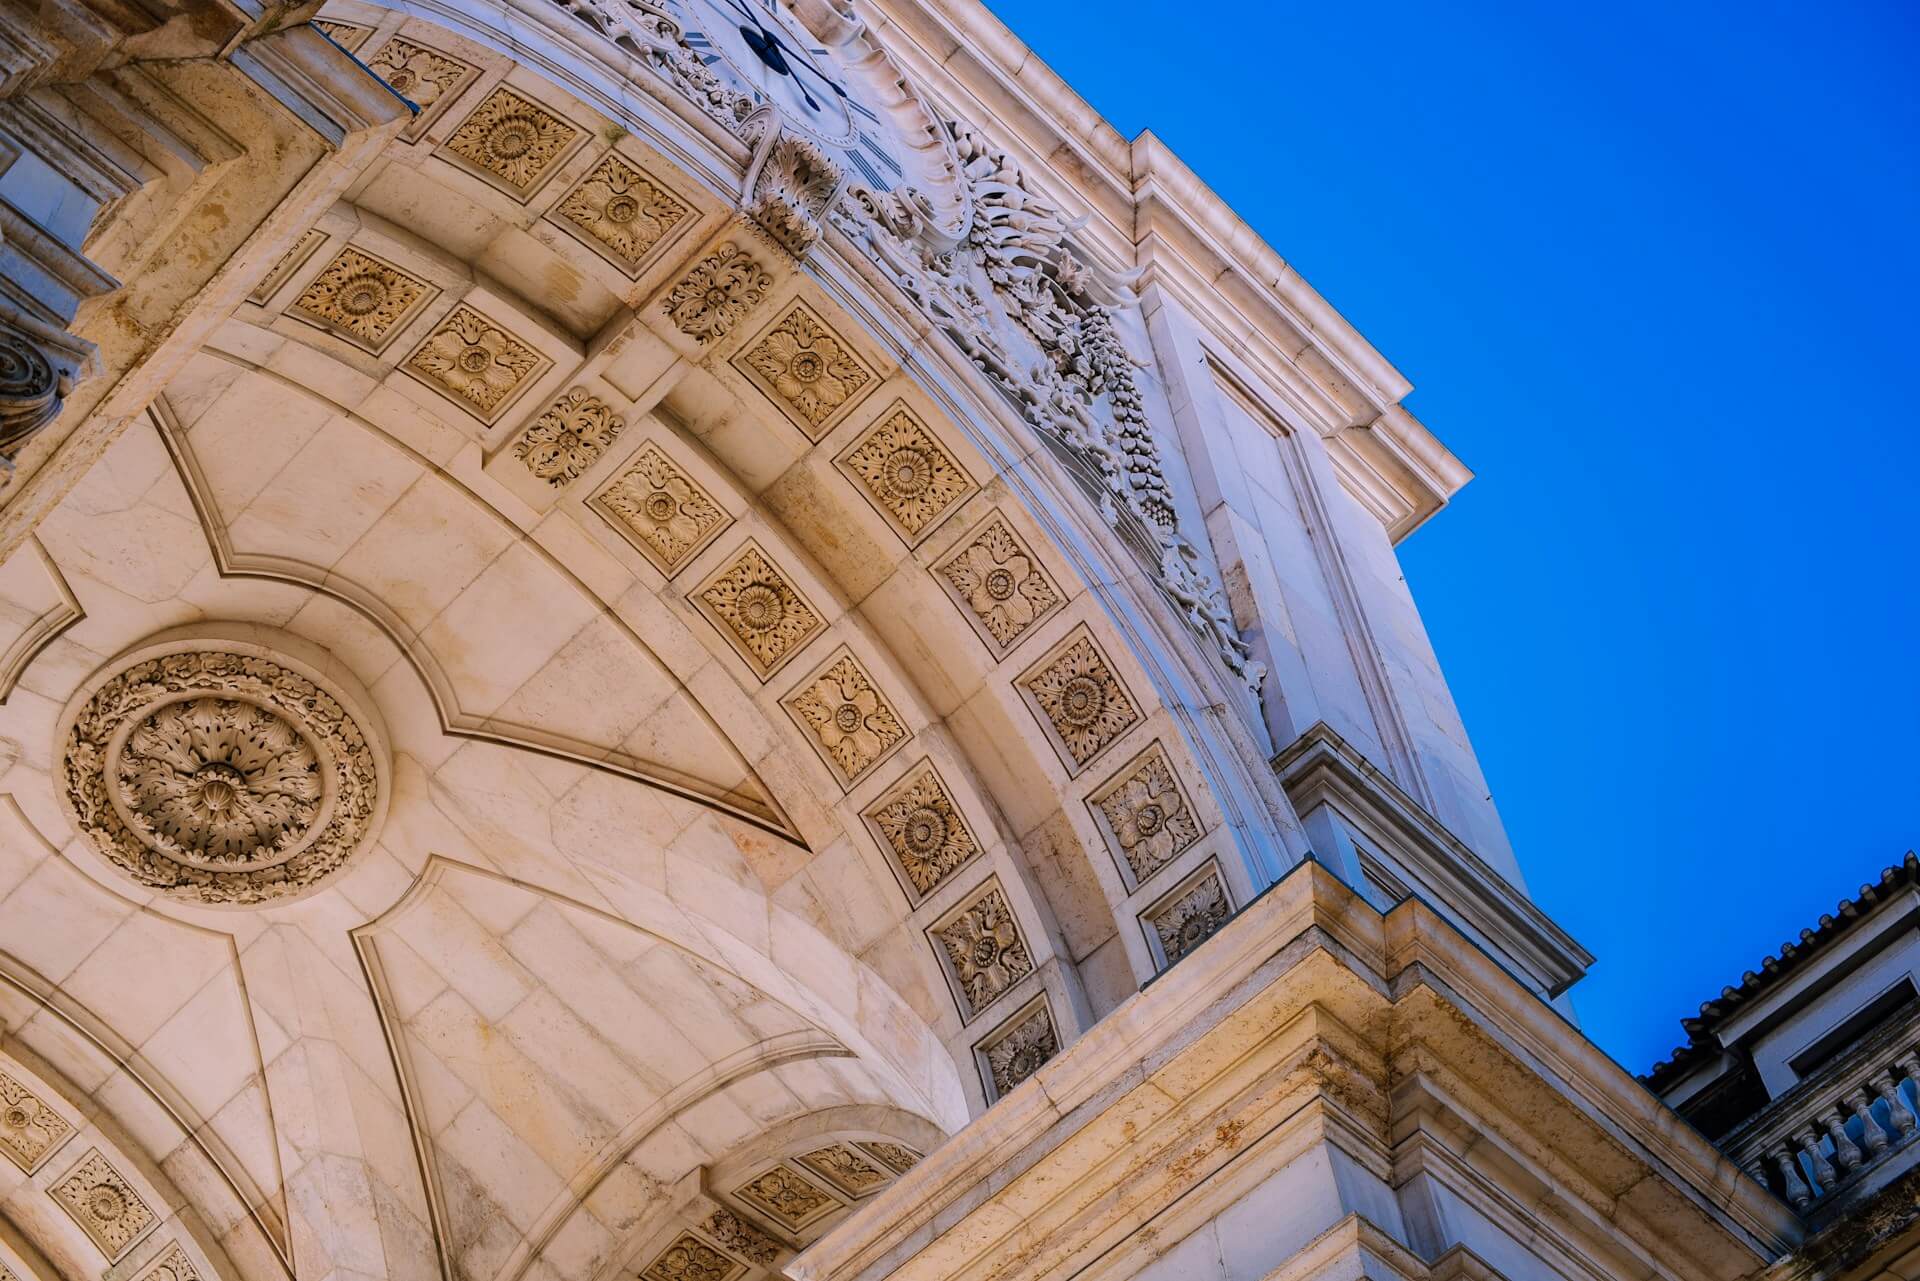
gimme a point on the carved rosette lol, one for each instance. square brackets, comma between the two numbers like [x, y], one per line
[512, 141]
[983, 948]
[790, 1198]
[1191, 916]
[174, 1265]
[1147, 814]
[1020, 1049]
[220, 775]
[721, 289]
[104, 1204]
[1081, 698]
[29, 1129]
[689, 1258]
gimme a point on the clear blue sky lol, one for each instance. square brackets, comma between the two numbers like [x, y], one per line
[1652, 270]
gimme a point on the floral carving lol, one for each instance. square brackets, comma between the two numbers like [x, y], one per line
[362, 297]
[895, 1155]
[668, 515]
[924, 831]
[1192, 917]
[854, 726]
[1082, 699]
[345, 34]
[512, 139]
[569, 438]
[220, 777]
[807, 370]
[418, 74]
[29, 1129]
[741, 1237]
[1148, 814]
[984, 950]
[690, 1259]
[907, 471]
[104, 1205]
[790, 1198]
[721, 288]
[474, 360]
[622, 210]
[1001, 583]
[763, 614]
[173, 1265]
[1021, 1050]
[846, 1169]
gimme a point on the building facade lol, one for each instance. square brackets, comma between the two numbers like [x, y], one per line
[698, 640]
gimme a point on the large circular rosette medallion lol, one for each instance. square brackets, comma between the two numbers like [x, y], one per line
[220, 775]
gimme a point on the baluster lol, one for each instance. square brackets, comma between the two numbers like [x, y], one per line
[1846, 1153]
[1798, 1194]
[1823, 1172]
[1898, 1113]
[1873, 1139]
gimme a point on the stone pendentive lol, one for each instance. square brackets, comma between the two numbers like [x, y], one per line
[220, 777]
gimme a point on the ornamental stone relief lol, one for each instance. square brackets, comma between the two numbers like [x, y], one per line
[895, 1155]
[721, 289]
[853, 726]
[32, 389]
[793, 1200]
[426, 78]
[661, 510]
[760, 613]
[846, 1169]
[1148, 818]
[1000, 584]
[1191, 916]
[476, 362]
[569, 438]
[807, 370]
[790, 183]
[920, 824]
[1080, 697]
[691, 1259]
[104, 1205]
[347, 35]
[984, 951]
[1023, 1048]
[512, 141]
[741, 1237]
[623, 212]
[362, 298]
[29, 1129]
[906, 472]
[220, 777]
[173, 1265]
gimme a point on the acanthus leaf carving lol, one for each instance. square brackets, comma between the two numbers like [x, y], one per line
[790, 184]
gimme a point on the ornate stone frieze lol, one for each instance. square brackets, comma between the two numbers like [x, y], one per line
[348, 35]
[760, 613]
[623, 212]
[104, 1204]
[1191, 915]
[362, 298]
[1000, 584]
[899, 1157]
[649, 30]
[663, 512]
[511, 140]
[1146, 813]
[32, 389]
[689, 1258]
[290, 262]
[853, 726]
[476, 362]
[172, 1265]
[721, 289]
[920, 824]
[847, 1169]
[1078, 694]
[907, 472]
[790, 184]
[569, 438]
[1020, 1049]
[983, 949]
[807, 370]
[741, 1237]
[792, 1199]
[425, 77]
[29, 1129]
[220, 777]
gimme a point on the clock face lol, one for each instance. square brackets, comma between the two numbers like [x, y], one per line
[780, 62]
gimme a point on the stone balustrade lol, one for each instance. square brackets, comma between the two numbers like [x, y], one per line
[1832, 1129]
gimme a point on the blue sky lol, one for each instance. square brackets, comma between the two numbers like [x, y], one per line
[1652, 270]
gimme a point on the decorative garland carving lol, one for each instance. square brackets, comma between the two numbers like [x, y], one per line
[220, 777]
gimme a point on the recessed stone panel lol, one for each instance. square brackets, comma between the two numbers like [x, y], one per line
[846, 718]
[810, 372]
[1145, 814]
[1077, 696]
[981, 949]
[906, 472]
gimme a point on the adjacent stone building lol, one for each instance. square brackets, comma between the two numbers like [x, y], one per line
[698, 640]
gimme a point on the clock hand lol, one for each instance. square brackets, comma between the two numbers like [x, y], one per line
[792, 57]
